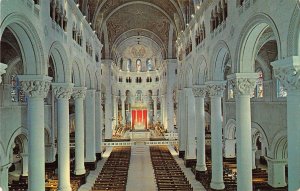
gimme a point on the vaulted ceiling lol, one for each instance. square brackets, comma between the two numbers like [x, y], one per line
[116, 21]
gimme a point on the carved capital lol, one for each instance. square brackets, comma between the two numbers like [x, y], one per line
[288, 72]
[35, 85]
[62, 90]
[199, 91]
[215, 88]
[79, 92]
[243, 83]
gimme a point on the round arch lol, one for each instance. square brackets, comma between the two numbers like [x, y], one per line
[200, 74]
[60, 61]
[28, 40]
[20, 131]
[188, 82]
[256, 132]
[221, 56]
[278, 148]
[90, 77]
[230, 129]
[249, 42]
[77, 76]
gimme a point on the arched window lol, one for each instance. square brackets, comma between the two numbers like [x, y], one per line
[281, 91]
[138, 65]
[149, 64]
[259, 90]
[129, 65]
[121, 64]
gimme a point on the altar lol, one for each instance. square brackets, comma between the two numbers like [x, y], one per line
[139, 134]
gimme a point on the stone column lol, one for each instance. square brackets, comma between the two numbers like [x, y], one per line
[154, 107]
[182, 127]
[24, 164]
[36, 88]
[254, 149]
[288, 71]
[170, 111]
[200, 93]
[190, 152]
[115, 111]
[123, 99]
[215, 91]
[243, 85]
[162, 109]
[79, 95]
[98, 126]
[2, 70]
[63, 92]
[4, 176]
[108, 115]
[90, 152]
[276, 172]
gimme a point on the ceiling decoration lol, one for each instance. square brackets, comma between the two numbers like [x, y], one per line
[118, 20]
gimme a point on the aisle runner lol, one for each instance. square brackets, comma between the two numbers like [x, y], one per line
[140, 174]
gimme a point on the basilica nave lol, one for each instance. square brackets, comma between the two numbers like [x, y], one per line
[150, 95]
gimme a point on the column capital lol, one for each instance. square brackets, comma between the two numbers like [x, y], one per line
[2, 70]
[79, 92]
[35, 85]
[200, 91]
[243, 83]
[215, 88]
[287, 70]
[62, 90]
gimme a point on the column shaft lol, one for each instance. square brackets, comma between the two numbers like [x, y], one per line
[293, 134]
[216, 139]
[36, 147]
[98, 128]
[244, 145]
[200, 131]
[63, 145]
[79, 137]
[90, 155]
[190, 152]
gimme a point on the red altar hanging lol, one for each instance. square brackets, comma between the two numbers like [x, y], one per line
[139, 116]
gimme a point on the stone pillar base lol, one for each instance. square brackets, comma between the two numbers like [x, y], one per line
[190, 162]
[217, 185]
[181, 154]
[81, 178]
[199, 175]
[98, 156]
[90, 165]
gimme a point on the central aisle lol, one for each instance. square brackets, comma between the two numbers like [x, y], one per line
[141, 173]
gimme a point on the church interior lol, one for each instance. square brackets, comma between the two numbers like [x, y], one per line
[167, 95]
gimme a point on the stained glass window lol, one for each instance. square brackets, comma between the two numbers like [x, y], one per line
[17, 94]
[259, 90]
[281, 91]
